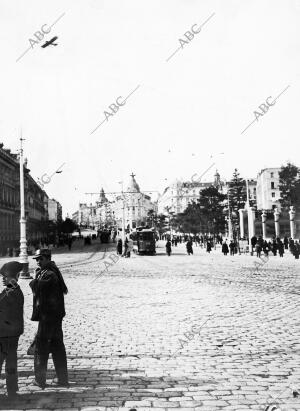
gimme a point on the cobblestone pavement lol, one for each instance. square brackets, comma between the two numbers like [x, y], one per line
[201, 332]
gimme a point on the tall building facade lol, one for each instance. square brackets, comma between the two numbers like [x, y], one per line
[267, 189]
[136, 206]
[54, 210]
[180, 194]
[36, 203]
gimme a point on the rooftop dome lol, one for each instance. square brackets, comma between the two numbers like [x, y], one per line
[133, 185]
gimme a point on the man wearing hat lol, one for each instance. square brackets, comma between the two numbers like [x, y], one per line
[48, 290]
[11, 323]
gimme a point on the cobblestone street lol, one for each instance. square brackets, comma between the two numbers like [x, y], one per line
[201, 332]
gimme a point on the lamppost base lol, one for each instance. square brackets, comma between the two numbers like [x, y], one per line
[24, 274]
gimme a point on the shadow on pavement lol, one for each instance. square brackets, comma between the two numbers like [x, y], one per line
[93, 387]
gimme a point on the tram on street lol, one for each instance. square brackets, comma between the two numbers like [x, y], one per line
[144, 240]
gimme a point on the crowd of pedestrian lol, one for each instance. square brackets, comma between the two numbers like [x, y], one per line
[232, 247]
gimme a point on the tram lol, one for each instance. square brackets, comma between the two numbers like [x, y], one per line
[143, 241]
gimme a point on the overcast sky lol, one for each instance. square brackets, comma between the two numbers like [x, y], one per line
[185, 110]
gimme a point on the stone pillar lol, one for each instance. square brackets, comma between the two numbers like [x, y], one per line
[292, 221]
[263, 220]
[251, 227]
[276, 221]
[242, 228]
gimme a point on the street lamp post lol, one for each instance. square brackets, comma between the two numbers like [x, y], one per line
[23, 256]
[230, 233]
[123, 214]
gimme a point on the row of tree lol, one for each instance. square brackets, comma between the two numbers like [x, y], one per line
[210, 211]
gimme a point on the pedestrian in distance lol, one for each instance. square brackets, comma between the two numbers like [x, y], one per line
[274, 247]
[280, 248]
[225, 248]
[208, 247]
[70, 240]
[189, 247]
[296, 250]
[168, 247]
[130, 247]
[11, 324]
[266, 248]
[231, 247]
[48, 290]
[119, 247]
[253, 243]
[125, 248]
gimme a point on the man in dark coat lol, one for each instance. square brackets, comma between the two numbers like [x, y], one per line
[225, 248]
[189, 247]
[48, 290]
[11, 323]
[208, 247]
[168, 247]
[119, 246]
[231, 247]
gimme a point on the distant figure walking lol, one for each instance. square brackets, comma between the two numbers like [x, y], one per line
[258, 249]
[280, 245]
[208, 247]
[231, 247]
[168, 247]
[119, 246]
[225, 248]
[189, 247]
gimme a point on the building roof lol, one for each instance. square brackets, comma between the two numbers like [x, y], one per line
[133, 185]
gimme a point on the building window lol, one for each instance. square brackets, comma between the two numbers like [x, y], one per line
[272, 185]
[271, 175]
[273, 195]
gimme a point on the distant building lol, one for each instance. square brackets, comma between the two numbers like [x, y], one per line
[54, 210]
[104, 211]
[180, 194]
[36, 203]
[85, 216]
[267, 190]
[252, 187]
[136, 206]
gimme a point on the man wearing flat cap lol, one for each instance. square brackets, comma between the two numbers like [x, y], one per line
[48, 290]
[11, 323]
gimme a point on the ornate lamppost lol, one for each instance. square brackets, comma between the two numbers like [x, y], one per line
[23, 256]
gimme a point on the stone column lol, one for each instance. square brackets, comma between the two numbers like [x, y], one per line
[263, 220]
[251, 227]
[276, 221]
[242, 228]
[292, 221]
